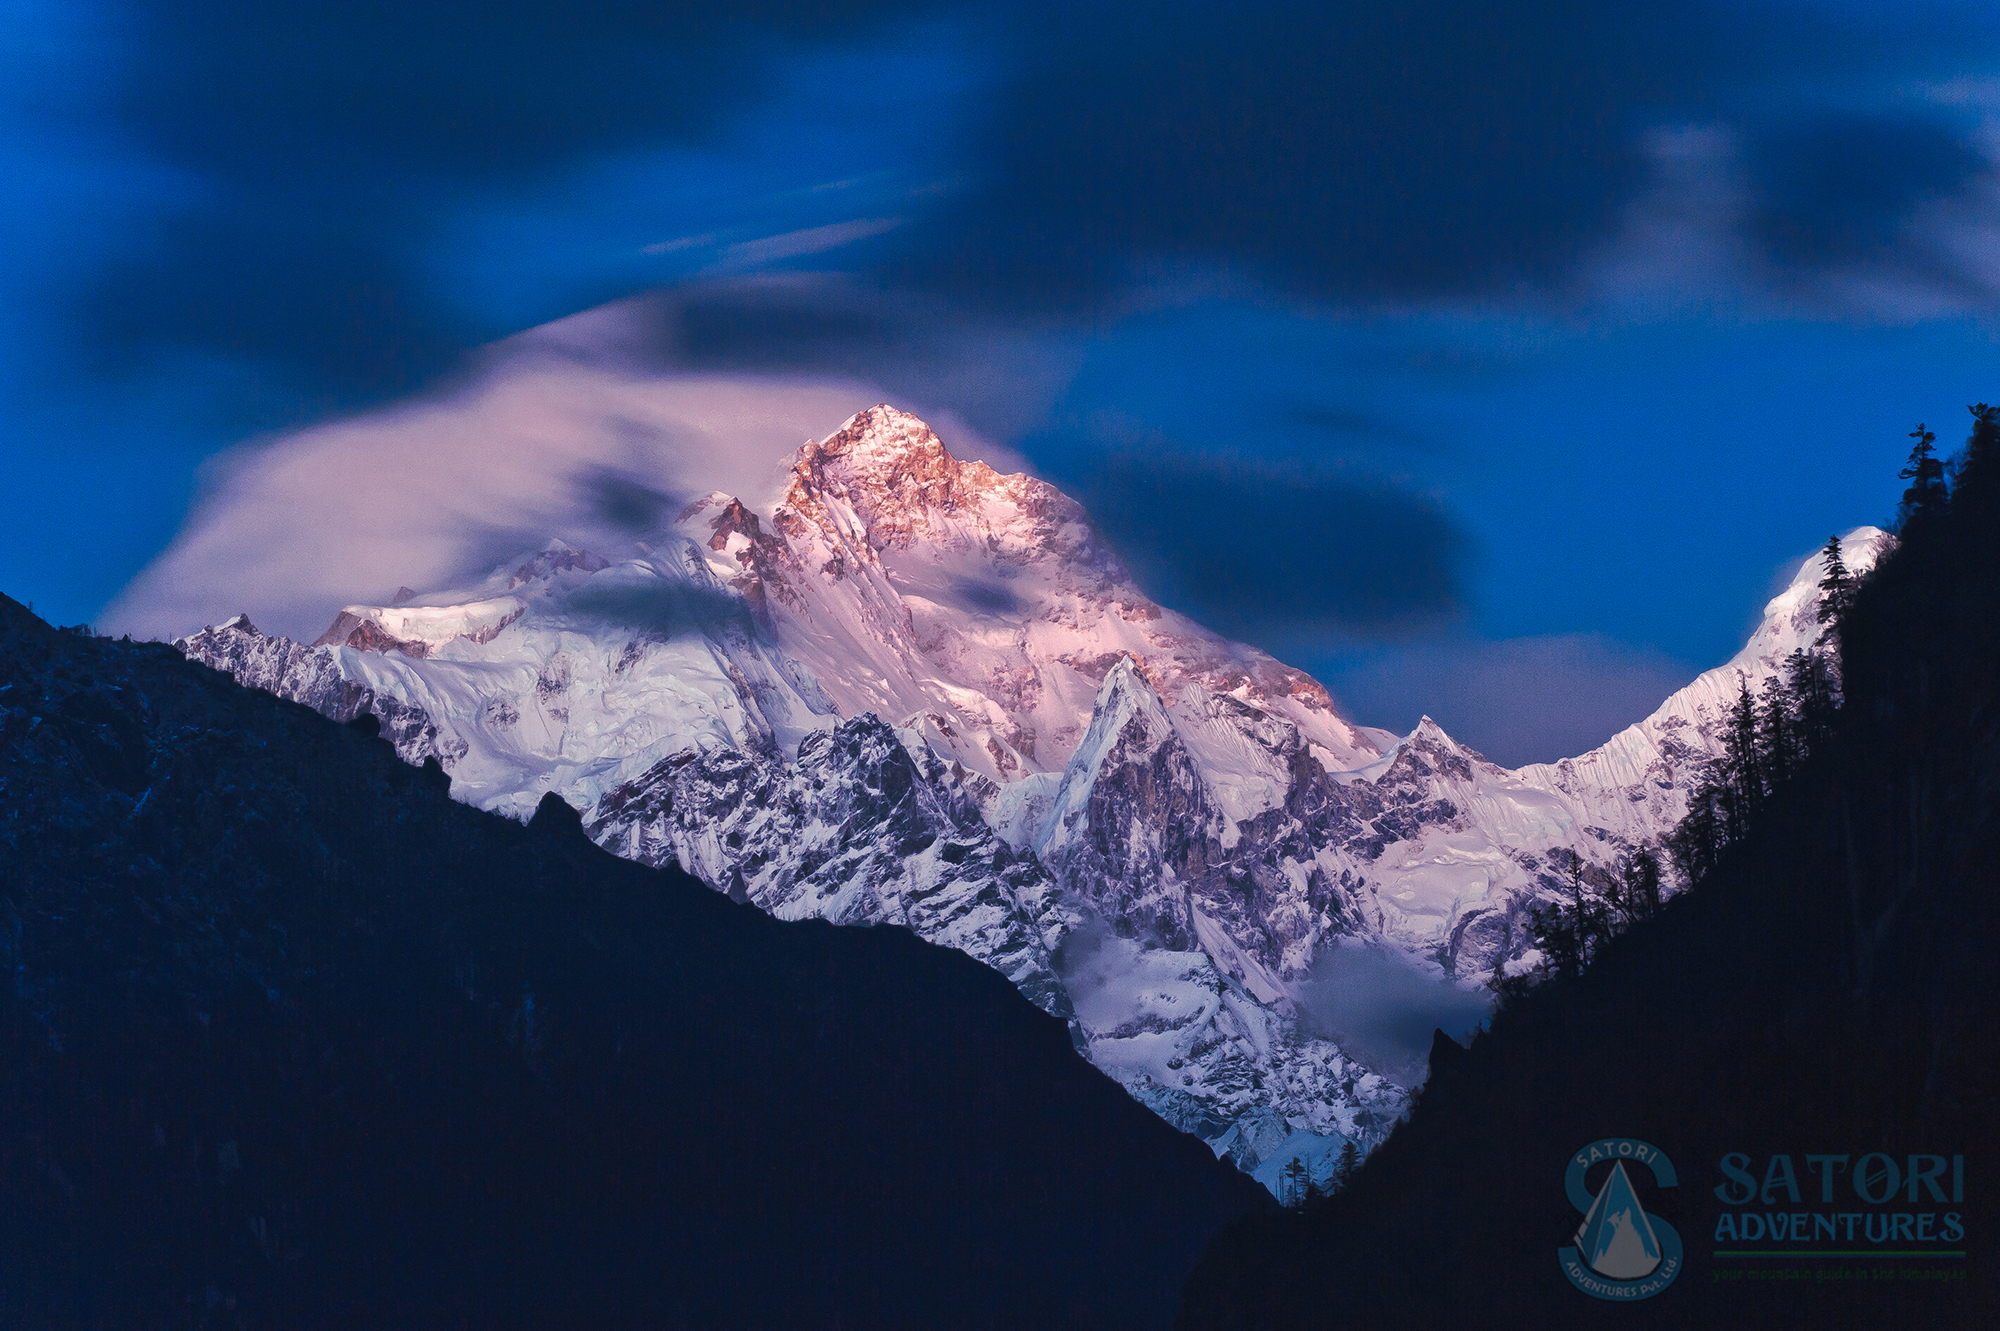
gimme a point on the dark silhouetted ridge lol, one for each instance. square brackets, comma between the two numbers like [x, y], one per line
[289, 1039]
[1827, 988]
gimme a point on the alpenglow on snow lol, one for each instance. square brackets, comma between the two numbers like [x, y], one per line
[914, 690]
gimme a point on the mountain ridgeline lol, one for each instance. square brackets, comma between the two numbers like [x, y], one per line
[910, 689]
[289, 1038]
[1824, 991]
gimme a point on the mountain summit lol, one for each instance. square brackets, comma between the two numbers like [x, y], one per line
[978, 608]
[917, 690]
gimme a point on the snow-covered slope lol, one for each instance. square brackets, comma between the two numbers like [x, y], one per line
[916, 691]
[566, 673]
[1636, 784]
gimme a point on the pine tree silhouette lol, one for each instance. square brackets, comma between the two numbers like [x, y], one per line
[1293, 1183]
[1974, 475]
[1836, 589]
[1926, 495]
[1344, 1167]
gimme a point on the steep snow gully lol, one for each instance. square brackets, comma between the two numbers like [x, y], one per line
[918, 691]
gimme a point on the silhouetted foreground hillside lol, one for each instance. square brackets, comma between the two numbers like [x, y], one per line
[1830, 989]
[289, 1039]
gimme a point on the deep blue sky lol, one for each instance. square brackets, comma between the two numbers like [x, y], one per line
[1488, 360]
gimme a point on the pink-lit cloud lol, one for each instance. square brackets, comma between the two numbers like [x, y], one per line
[564, 434]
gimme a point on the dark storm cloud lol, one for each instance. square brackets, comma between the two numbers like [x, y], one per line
[1841, 188]
[315, 285]
[464, 89]
[1358, 150]
[1349, 152]
[1250, 547]
[350, 183]
[325, 143]
[1395, 154]
[389, 88]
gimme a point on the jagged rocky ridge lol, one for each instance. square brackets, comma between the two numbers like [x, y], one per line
[864, 826]
[919, 691]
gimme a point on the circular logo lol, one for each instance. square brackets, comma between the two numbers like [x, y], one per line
[1622, 1253]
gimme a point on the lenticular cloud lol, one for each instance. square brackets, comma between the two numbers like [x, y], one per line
[547, 442]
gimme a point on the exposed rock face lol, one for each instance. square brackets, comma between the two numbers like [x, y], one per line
[350, 630]
[866, 826]
[314, 676]
[920, 691]
[1149, 827]
[1130, 821]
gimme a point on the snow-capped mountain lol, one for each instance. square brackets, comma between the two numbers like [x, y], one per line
[978, 608]
[915, 690]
